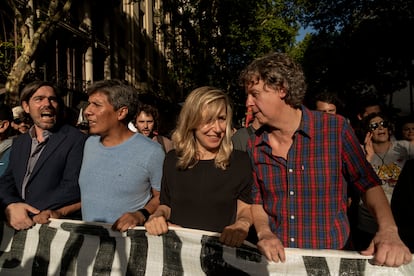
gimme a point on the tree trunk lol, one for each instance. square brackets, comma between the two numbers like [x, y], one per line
[30, 45]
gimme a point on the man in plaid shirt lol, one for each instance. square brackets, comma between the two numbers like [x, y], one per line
[303, 161]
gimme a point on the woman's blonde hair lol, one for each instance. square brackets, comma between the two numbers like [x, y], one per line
[202, 103]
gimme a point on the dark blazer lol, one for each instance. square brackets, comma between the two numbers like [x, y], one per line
[402, 204]
[54, 180]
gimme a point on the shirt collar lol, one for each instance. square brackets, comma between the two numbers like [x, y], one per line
[305, 127]
[32, 133]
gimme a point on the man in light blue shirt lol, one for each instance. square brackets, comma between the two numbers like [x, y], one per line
[121, 170]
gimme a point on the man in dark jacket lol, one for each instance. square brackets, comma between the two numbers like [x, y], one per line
[41, 181]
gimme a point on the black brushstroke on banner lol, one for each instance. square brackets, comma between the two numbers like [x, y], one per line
[42, 258]
[13, 258]
[316, 266]
[214, 259]
[137, 264]
[212, 262]
[106, 252]
[172, 246]
[352, 267]
[71, 249]
[249, 254]
[257, 263]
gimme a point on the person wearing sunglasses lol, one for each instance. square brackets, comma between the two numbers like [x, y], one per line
[21, 123]
[387, 157]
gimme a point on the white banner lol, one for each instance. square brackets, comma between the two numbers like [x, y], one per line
[68, 247]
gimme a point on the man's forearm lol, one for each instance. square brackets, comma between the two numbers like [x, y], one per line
[68, 209]
[244, 213]
[154, 202]
[260, 220]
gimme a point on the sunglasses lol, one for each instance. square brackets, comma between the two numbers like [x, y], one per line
[18, 121]
[374, 126]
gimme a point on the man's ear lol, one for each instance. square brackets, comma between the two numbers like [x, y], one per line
[25, 106]
[4, 125]
[281, 92]
[122, 113]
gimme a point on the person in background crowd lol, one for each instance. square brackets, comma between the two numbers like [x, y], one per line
[327, 102]
[387, 157]
[41, 181]
[402, 204]
[121, 170]
[21, 121]
[241, 136]
[303, 161]
[147, 122]
[206, 184]
[406, 128]
[6, 118]
[82, 123]
[366, 105]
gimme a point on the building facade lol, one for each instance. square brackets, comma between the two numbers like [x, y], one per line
[101, 39]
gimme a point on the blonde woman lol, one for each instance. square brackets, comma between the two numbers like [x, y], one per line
[206, 184]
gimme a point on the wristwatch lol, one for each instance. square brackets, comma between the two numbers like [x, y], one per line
[145, 213]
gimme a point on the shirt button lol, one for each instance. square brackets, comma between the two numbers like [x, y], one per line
[292, 239]
[291, 193]
[292, 217]
[290, 170]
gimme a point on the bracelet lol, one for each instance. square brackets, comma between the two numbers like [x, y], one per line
[145, 213]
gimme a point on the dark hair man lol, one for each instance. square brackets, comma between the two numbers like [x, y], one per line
[41, 181]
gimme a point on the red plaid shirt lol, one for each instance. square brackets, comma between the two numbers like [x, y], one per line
[305, 196]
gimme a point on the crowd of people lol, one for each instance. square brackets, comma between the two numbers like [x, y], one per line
[300, 175]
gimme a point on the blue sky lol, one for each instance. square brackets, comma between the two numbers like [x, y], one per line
[302, 33]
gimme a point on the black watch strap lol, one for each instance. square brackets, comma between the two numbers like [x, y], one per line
[145, 213]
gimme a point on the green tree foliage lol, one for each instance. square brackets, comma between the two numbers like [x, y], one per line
[212, 41]
[7, 50]
[298, 51]
[42, 27]
[359, 44]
